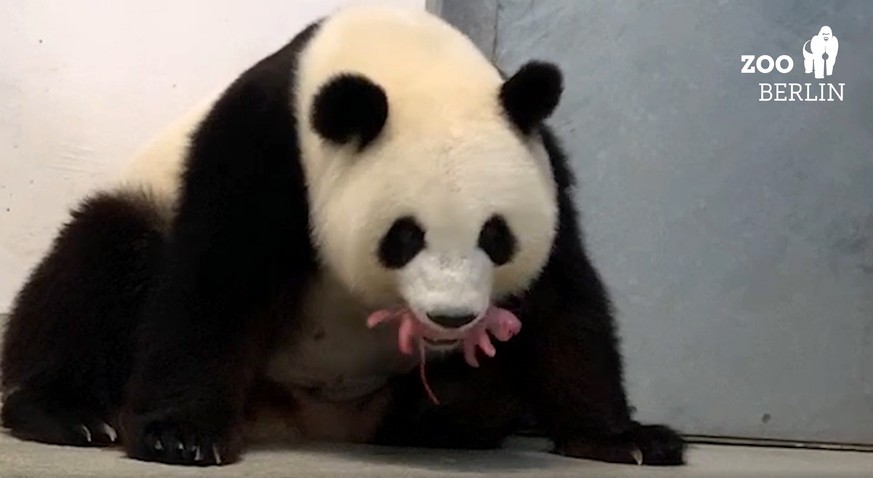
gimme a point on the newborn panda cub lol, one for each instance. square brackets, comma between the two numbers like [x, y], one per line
[368, 236]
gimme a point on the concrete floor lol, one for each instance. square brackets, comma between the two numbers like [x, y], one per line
[522, 457]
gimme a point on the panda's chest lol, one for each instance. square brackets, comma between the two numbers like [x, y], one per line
[331, 352]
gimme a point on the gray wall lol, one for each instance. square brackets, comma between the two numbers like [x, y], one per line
[736, 235]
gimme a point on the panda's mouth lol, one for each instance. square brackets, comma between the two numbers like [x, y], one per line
[441, 344]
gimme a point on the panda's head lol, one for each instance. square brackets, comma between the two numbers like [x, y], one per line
[429, 183]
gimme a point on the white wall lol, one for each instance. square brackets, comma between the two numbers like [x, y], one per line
[85, 83]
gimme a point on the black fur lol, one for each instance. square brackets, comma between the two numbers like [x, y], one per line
[170, 331]
[497, 240]
[403, 241]
[350, 106]
[531, 94]
[68, 344]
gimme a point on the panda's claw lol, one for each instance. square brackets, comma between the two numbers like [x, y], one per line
[650, 445]
[216, 455]
[109, 432]
[35, 418]
[97, 432]
[86, 433]
[637, 455]
[179, 444]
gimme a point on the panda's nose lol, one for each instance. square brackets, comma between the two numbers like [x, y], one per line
[451, 321]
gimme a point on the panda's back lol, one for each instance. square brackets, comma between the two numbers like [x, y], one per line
[157, 167]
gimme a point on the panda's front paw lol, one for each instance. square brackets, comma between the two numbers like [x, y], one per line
[178, 443]
[653, 445]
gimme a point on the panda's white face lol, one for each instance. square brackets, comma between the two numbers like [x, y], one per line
[443, 222]
[426, 186]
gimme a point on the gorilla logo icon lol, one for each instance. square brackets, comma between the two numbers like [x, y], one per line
[822, 53]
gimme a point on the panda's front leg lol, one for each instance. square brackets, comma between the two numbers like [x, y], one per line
[237, 259]
[193, 370]
[573, 376]
[205, 336]
[226, 280]
[573, 368]
[228, 275]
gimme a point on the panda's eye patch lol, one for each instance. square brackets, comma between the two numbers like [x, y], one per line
[497, 240]
[401, 243]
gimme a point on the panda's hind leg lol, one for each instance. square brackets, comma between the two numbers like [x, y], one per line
[68, 342]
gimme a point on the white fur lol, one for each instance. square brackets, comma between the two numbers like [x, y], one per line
[447, 283]
[157, 167]
[332, 350]
[446, 155]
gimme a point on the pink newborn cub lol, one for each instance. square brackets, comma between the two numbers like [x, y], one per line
[501, 323]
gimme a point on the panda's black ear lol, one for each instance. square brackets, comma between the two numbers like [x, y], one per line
[531, 94]
[350, 106]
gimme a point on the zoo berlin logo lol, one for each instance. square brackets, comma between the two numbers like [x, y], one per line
[819, 57]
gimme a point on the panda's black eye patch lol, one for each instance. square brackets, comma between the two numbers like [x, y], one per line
[496, 240]
[401, 243]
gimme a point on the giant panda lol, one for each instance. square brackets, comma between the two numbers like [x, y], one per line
[222, 292]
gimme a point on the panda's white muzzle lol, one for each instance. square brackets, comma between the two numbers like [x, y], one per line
[448, 291]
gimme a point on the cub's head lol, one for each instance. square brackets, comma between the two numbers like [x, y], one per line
[440, 199]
